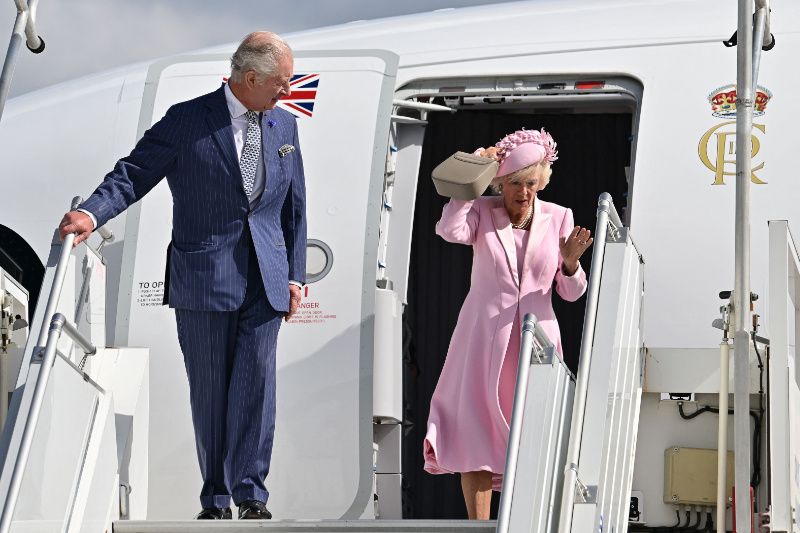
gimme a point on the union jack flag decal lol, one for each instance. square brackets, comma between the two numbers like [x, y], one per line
[304, 90]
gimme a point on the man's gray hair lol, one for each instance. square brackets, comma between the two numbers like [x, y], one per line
[260, 51]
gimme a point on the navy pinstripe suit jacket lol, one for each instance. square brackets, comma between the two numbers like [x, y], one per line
[193, 147]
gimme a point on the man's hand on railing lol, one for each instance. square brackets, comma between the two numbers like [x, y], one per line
[78, 223]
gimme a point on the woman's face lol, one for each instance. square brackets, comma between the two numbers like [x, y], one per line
[519, 193]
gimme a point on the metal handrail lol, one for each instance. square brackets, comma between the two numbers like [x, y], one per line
[25, 24]
[61, 270]
[58, 279]
[45, 352]
[534, 343]
[107, 236]
[607, 219]
[765, 40]
[752, 30]
[58, 324]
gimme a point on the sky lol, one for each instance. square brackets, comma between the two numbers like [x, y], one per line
[87, 36]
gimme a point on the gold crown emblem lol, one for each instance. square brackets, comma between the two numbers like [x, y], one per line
[723, 101]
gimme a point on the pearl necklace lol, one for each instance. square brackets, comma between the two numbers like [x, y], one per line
[525, 221]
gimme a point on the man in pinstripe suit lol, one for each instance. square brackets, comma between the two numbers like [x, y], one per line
[236, 260]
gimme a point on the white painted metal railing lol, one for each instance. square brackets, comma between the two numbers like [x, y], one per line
[24, 30]
[784, 380]
[58, 325]
[753, 35]
[599, 462]
[608, 221]
[537, 436]
[44, 354]
[597, 418]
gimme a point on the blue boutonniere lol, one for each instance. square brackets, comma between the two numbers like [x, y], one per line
[270, 123]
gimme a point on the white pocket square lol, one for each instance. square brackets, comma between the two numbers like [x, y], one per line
[285, 150]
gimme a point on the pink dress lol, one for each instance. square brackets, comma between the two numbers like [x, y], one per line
[512, 274]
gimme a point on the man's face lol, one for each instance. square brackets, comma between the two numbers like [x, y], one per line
[265, 94]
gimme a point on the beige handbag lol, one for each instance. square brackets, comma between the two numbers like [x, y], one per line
[464, 176]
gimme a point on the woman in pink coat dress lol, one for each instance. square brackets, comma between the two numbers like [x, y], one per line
[521, 245]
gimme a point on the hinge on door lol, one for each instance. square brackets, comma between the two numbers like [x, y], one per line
[765, 520]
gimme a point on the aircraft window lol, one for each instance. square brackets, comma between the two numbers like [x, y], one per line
[319, 260]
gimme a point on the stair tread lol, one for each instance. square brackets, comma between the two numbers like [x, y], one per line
[300, 526]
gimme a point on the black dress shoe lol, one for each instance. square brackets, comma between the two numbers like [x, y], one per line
[215, 513]
[253, 510]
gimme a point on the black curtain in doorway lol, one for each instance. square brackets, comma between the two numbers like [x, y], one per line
[593, 150]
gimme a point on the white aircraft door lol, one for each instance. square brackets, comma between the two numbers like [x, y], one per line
[322, 462]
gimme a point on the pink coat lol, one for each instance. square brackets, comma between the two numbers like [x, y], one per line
[467, 430]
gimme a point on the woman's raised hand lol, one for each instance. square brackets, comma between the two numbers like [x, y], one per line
[490, 153]
[573, 246]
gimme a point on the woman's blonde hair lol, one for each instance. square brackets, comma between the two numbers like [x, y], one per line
[542, 170]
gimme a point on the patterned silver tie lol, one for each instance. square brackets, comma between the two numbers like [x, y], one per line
[251, 152]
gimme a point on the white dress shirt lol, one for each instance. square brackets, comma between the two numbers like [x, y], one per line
[239, 122]
[238, 113]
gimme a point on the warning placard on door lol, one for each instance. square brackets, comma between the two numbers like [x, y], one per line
[149, 293]
[312, 311]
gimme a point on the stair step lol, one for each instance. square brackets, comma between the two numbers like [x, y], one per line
[303, 526]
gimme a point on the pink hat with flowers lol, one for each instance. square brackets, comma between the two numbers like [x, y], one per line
[524, 148]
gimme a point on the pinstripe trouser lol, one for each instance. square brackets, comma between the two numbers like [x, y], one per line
[230, 362]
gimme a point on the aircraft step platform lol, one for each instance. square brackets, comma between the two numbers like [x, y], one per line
[302, 526]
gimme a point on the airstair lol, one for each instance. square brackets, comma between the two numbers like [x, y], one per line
[76, 425]
[580, 435]
[76, 438]
[571, 448]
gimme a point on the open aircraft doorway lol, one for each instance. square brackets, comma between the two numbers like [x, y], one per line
[594, 123]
